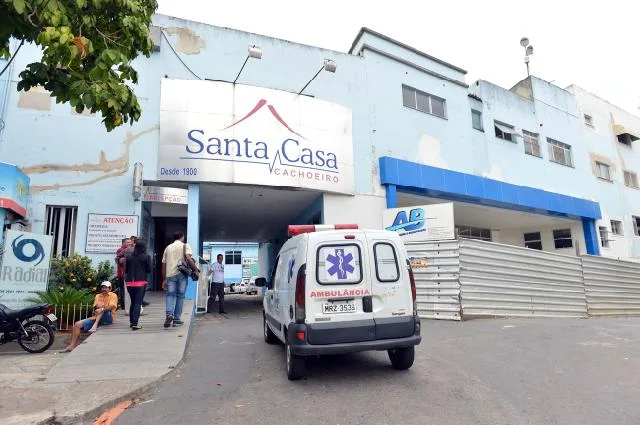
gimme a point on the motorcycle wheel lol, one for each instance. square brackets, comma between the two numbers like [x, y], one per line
[39, 336]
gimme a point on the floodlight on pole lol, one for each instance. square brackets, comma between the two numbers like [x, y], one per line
[255, 53]
[329, 66]
[528, 51]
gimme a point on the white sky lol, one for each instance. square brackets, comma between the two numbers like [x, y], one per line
[594, 44]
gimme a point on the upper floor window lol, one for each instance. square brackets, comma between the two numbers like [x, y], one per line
[626, 139]
[560, 152]
[476, 120]
[616, 227]
[423, 102]
[636, 225]
[505, 131]
[531, 143]
[469, 232]
[562, 238]
[604, 236]
[603, 171]
[588, 120]
[233, 257]
[61, 224]
[631, 179]
[533, 240]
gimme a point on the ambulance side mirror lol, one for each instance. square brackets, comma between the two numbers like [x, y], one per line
[261, 282]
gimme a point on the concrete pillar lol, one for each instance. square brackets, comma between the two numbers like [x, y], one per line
[193, 232]
[590, 236]
[392, 196]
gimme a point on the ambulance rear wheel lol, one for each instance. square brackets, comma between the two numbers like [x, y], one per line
[295, 364]
[402, 358]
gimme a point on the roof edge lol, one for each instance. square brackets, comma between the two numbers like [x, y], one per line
[404, 46]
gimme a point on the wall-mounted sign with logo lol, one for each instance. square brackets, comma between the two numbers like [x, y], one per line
[14, 189]
[421, 223]
[169, 195]
[25, 267]
[106, 231]
[220, 132]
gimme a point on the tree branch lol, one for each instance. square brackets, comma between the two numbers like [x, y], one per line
[12, 58]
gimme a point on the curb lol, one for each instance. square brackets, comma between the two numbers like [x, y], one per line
[89, 416]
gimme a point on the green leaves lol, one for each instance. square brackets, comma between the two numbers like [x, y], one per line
[19, 6]
[88, 47]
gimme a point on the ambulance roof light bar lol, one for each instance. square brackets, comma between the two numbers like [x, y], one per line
[295, 230]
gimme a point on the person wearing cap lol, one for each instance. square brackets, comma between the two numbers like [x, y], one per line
[104, 310]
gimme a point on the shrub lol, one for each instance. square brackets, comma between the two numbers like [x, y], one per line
[75, 271]
[105, 271]
[71, 304]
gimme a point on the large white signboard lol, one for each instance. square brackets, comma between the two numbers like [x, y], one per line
[220, 132]
[25, 267]
[421, 223]
[106, 231]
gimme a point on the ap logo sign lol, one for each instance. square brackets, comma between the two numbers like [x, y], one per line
[411, 223]
[421, 222]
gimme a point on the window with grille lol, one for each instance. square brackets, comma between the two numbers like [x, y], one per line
[616, 227]
[603, 171]
[562, 238]
[61, 224]
[560, 152]
[533, 240]
[531, 143]
[631, 179]
[233, 257]
[604, 236]
[423, 102]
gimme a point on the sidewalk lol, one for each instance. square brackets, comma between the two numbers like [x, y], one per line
[112, 365]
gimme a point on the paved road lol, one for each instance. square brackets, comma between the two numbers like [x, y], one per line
[510, 371]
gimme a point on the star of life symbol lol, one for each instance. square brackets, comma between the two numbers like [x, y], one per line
[340, 264]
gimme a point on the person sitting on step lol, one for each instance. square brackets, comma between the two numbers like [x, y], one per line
[104, 309]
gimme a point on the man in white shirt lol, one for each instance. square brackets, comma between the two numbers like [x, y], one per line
[173, 281]
[216, 273]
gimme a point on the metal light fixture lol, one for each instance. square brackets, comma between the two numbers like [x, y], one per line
[255, 53]
[137, 181]
[329, 66]
[528, 51]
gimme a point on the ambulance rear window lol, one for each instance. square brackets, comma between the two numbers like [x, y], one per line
[387, 269]
[339, 265]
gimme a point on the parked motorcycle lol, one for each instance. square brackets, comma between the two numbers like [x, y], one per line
[33, 335]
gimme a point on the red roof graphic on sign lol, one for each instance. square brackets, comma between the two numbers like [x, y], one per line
[273, 111]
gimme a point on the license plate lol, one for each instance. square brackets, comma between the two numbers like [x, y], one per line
[331, 307]
[52, 317]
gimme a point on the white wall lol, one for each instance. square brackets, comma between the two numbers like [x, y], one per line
[363, 210]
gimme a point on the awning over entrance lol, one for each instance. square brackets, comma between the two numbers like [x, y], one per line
[453, 185]
[410, 177]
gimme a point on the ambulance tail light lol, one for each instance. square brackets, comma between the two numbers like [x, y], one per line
[295, 230]
[414, 294]
[301, 281]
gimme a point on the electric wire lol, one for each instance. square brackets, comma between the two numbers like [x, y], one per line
[178, 56]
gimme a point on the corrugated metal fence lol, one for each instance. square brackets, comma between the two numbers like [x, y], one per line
[612, 286]
[437, 284]
[466, 279]
[505, 280]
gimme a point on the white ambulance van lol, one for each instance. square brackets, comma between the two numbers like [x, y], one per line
[336, 289]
